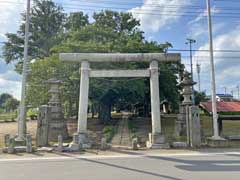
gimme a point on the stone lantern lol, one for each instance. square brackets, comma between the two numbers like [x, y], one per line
[57, 124]
[187, 92]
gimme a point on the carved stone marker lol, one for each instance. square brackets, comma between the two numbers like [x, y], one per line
[57, 123]
[104, 144]
[134, 144]
[74, 146]
[11, 146]
[194, 127]
[60, 143]
[43, 126]
[6, 140]
[28, 143]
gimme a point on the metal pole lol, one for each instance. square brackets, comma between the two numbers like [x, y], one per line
[238, 89]
[213, 83]
[198, 72]
[225, 90]
[22, 129]
[190, 42]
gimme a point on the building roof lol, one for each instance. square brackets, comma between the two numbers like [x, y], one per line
[224, 95]
[227, 106]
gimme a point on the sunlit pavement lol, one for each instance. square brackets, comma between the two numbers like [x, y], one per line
[124, 165]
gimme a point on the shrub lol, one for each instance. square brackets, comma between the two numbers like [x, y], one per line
[108, 132]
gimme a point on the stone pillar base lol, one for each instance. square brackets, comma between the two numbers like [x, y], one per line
[180, 129]
[217, 142]
[57, 128]
[80, 141]
[157, 141]
[20, 142]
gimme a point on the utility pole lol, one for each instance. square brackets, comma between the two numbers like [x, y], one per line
[213, 83]
[225, 89]
[238, 89]
[22, 128]
[190, 42]
[198, 72]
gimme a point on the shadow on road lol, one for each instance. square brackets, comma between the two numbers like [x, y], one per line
[121, 167]
[130, 169]
[203, 165]
[196, 165]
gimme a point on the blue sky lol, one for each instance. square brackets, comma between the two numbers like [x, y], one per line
[161, 20]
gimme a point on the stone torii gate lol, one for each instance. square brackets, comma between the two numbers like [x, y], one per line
[156, 138]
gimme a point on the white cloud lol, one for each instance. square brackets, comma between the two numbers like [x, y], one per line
[198, 27]
[203, 15]
[10, 15]
[9, 20]
[227, 67]
[11, 87]
[153, 23]
[10, 81]
[2, 35]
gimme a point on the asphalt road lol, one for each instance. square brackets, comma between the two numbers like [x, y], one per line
[130, 167]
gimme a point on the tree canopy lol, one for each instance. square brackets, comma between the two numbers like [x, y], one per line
[8, 103]
[53, 32]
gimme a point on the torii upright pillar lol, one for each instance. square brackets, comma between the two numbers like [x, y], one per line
[83, 98]
[156, 136]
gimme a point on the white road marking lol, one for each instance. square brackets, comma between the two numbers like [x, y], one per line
[227, 164]
[75, 157]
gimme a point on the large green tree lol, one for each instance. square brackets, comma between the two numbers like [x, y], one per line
[53, 32]
[76, 21]
[46, 25]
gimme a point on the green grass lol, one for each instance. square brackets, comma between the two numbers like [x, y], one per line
[1, 142]
[8, 116]
[229, 127]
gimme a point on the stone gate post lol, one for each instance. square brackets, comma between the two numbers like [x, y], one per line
[83, 98]
[155, 100]
[156, 138]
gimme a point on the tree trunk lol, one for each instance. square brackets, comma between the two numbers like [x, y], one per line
[92, 110]
[70, 110]
[104, 113]
[147, 105]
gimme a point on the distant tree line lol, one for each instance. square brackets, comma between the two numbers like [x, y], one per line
[8, 103]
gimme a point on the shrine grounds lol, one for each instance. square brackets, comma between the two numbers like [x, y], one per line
[229, 128]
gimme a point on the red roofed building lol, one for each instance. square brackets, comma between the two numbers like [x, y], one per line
[228, 106]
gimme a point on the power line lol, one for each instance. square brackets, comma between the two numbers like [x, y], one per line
[160, 14]
[166, 13]
[236, 1]
[203, 50]
[142, 11]
[138, 3]
[182, 6]
[157, 5]
[218, 57]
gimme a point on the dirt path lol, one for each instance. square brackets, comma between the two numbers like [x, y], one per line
[11, 128]
[122, 136]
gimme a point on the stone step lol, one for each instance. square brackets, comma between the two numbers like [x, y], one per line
[122, 137]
